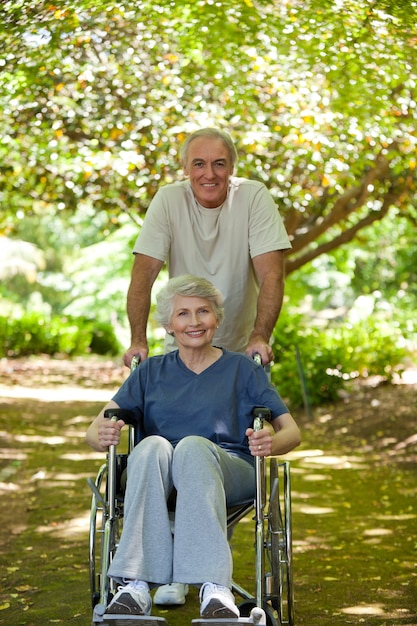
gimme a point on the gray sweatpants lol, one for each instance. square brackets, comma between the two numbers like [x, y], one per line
[207, 479]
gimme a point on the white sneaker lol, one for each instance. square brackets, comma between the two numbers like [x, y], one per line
[132, 599]
[217, 601]
[174, 593]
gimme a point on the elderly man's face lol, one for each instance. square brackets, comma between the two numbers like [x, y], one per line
[208, 167]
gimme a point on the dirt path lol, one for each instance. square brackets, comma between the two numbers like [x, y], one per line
[354, 499]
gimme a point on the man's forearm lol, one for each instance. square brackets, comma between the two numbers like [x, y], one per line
[144, 272]
[138, 307]
[269, 306]
[271, 275]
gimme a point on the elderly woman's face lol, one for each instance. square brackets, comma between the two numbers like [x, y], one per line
[209, 168]
[193, 321]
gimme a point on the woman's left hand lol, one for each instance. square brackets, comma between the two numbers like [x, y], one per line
[260, 441]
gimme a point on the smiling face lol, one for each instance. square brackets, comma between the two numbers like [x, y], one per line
[209, 167]
[193, 321]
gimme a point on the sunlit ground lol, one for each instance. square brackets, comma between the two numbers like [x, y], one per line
[353, 510]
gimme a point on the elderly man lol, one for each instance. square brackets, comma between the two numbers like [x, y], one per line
[225, 229]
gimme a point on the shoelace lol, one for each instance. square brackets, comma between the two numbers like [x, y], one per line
[136, 585]
[209, 588]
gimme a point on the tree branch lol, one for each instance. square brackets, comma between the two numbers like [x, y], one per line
[346, 236]
[349, 202]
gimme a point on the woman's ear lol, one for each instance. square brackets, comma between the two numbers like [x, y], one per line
[169, 330]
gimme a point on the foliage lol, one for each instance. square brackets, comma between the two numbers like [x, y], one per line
[314, 366]
[82, 273]
[382, 263]
[33, 334]
[97, 95]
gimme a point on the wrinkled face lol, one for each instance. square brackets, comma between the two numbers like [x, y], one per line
[193, 321]
[209, 167]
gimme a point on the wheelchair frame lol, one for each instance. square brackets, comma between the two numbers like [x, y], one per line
[273, 538]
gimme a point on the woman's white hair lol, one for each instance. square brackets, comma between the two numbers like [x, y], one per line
[187, 285]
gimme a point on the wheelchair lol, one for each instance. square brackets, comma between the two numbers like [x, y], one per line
[270, 604]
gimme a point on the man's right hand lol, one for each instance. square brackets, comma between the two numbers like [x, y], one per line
[139, 350]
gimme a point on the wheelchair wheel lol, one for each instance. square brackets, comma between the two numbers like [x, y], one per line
[279, 543]
[97, 517]
[105, 530]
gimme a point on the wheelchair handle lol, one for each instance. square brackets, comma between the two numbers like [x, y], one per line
[135, 362]
[257, 358]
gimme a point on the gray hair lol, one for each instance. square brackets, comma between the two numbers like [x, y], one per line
[211, 133]
[187, 285]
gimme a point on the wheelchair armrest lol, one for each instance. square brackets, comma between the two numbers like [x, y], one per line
[121, 414]
[263, 412]
[260, 414]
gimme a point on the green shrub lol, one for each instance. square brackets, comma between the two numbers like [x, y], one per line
[314, 365]
[34, 334]
[103, 340]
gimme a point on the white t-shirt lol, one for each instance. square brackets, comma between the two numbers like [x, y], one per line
[217, 244]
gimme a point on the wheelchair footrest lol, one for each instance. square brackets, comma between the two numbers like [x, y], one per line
[101, 618]
[257, 616]
[131, 620]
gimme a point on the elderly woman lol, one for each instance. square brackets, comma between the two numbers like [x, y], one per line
[193, 408]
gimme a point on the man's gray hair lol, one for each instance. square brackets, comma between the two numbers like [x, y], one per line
[211, 133]
[187, 285]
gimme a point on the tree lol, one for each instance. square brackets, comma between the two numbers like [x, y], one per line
[320, 96]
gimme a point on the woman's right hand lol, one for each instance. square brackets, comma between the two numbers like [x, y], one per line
[109, 432]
